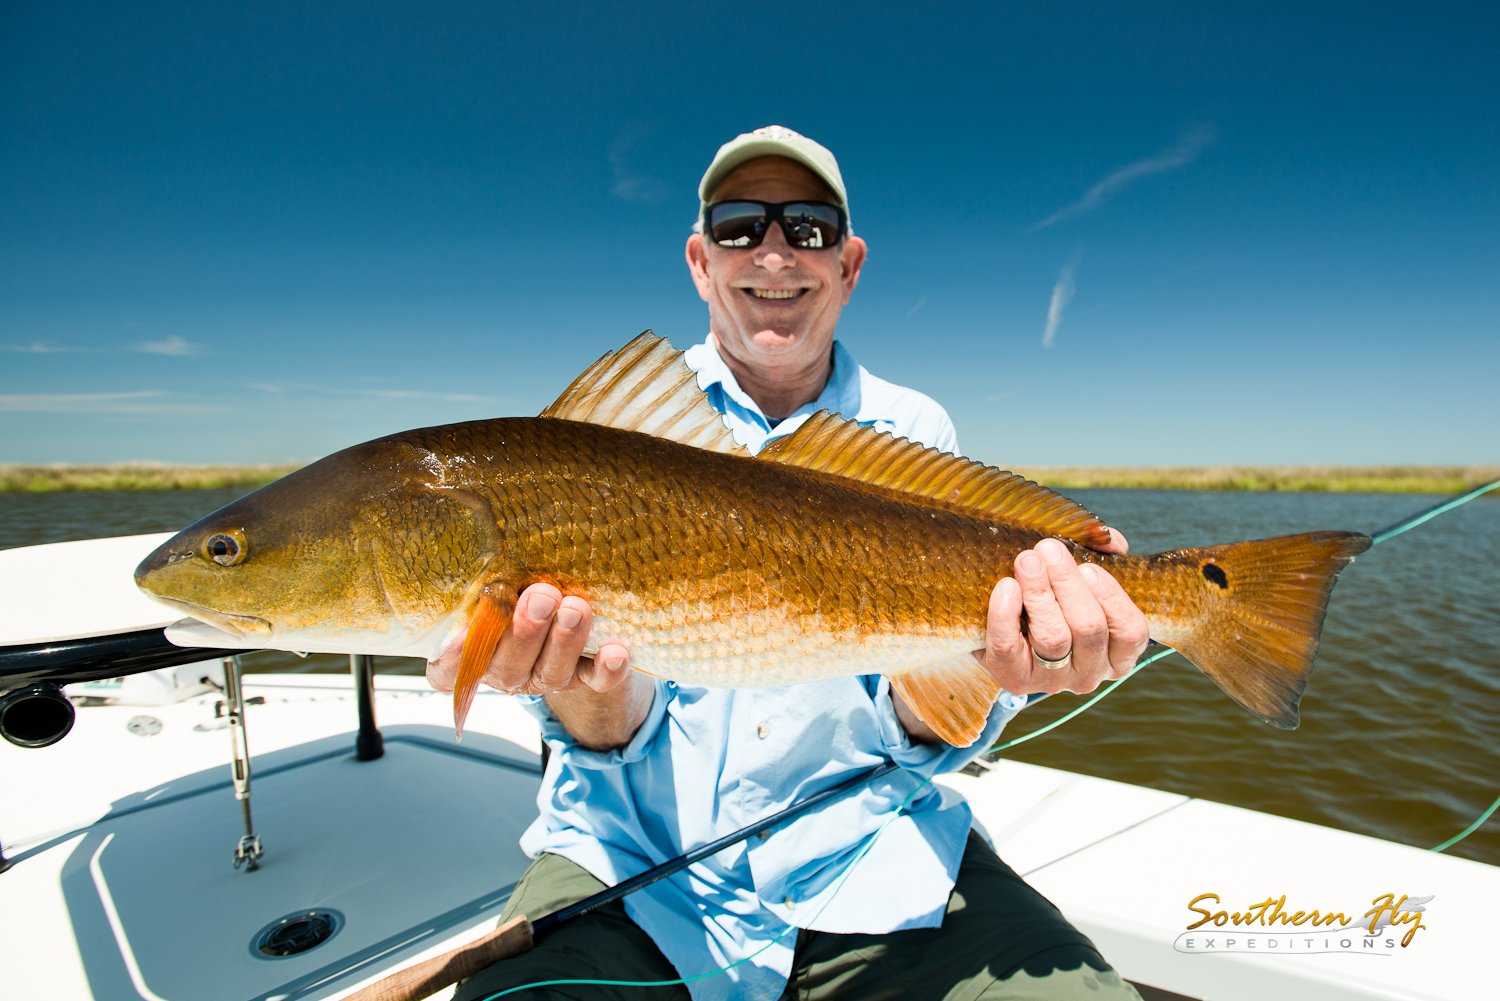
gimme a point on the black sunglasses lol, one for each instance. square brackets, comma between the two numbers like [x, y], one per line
[807, 225]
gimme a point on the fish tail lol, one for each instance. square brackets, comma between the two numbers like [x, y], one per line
[1258, 628]
[491, 617]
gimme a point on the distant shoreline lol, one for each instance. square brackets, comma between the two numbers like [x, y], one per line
[1292, 479]
[16, 478]
[62, 477]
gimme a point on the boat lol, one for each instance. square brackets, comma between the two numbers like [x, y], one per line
[177, 830]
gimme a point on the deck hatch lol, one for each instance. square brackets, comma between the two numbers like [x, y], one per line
[296, 933]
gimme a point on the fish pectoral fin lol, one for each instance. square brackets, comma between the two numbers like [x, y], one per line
[491, 617]
[952, 695]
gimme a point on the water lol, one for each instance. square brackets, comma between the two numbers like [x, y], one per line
[33, 519]
[1400, 735]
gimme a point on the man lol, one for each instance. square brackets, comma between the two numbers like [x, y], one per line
[643, 769]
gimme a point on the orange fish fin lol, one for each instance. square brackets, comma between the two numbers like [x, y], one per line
[1259, 627]
[952, 695]
[826, 443]
[491, 617]
[646, 387]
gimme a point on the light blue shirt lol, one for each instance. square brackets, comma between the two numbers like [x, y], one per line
[708, 761]
[851, 391]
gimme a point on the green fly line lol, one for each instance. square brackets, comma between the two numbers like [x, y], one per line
[1406, 524]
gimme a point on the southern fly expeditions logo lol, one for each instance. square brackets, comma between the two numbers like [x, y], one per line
[1268, 927]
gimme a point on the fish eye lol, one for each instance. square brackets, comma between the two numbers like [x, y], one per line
[226, 548]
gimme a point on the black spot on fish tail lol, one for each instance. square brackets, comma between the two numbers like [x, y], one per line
[1216, 573]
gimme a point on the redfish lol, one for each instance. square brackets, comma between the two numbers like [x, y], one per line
[838, 550]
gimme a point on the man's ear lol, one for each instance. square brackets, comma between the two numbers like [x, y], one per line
[697, 262]
[851, 260]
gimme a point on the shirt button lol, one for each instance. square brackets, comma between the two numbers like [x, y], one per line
[790, 903]
[763, 835]
[763, 731]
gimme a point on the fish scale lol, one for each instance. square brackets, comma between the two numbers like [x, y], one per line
[665, 528]
[659, 503]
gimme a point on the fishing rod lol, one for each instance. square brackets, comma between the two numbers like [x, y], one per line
[518, 935]
[609, 895]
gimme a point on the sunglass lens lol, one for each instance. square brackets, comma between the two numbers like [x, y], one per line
[737, 224]
[811, 226]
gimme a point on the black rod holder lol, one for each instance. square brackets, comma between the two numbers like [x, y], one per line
[94, 658]
[369, 745]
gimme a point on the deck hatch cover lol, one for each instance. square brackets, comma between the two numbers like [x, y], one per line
[296, 933]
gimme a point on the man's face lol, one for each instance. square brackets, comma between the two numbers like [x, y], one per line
[774, 305]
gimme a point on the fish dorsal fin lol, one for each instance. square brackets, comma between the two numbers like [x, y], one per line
[646, 387]
[827, 443]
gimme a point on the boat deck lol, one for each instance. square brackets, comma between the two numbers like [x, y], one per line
[416, 850]
[121, 838]
[123, 887]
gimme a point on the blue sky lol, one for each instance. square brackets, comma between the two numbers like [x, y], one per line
[262, 232]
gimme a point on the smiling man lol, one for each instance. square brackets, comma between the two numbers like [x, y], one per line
[642, 769]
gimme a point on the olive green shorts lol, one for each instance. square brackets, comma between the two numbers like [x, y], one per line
[999, 939]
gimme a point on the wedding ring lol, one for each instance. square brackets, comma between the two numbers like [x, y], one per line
[1053, 665]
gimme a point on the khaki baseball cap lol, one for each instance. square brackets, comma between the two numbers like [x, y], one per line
[773, 140]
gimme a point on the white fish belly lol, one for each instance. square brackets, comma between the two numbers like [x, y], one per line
[399, 639]
[695, 643]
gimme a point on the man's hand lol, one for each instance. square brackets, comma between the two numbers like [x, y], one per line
[1078, 612]
[542, 651]
[1075, 612]
[600, 701]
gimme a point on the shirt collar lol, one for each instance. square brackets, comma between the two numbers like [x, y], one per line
[840, 395]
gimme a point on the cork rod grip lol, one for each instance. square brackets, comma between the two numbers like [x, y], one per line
[430, 976]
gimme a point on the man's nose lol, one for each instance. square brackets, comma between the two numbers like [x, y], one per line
[774, 253]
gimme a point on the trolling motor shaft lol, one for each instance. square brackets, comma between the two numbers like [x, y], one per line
[248, 852]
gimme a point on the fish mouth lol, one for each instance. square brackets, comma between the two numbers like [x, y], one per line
[229, 622]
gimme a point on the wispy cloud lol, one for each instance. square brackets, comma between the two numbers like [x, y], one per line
[172, 345]
[913, 311]
[1186, 151]
[1137, 291]
[35, 348]
[147, 401]
[1062, 294]
[418, 394]
[379, 394]
[630, 185]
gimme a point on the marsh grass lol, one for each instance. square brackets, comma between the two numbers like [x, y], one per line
[1327, 479]
[134, 476]
[1331, 479]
